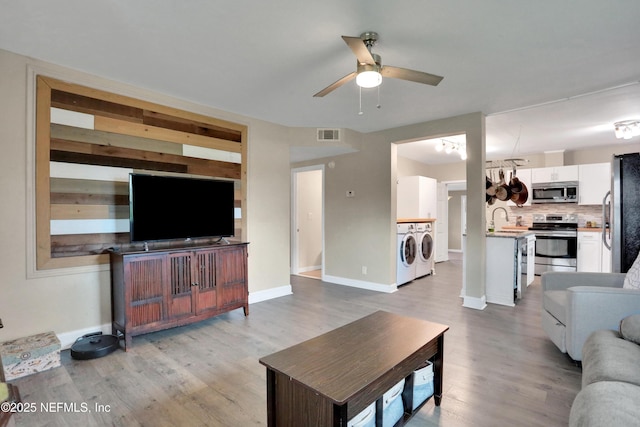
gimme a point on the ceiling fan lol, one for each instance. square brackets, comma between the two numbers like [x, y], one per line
[369, 71]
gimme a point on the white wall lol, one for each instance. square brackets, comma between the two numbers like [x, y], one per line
[70, 302]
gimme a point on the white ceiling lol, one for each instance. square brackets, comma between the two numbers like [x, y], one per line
[556, 73]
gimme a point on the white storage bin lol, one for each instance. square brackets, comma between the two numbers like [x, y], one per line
[392, 405]
[422, 385]
[366, 418]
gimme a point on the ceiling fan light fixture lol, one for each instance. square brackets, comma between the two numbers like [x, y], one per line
[368, 79]
[369, 74]
[627, 129]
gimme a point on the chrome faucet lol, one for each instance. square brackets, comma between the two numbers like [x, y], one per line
[493, 214]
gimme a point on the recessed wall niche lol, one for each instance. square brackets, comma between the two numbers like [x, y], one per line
[88, 141]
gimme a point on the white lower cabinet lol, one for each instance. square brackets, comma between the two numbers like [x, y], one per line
[589, 251]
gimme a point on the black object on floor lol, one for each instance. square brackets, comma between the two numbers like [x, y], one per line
[92, 346]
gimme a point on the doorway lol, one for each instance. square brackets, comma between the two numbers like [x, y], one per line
[307, 221]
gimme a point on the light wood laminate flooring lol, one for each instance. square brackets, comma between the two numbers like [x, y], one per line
[499, 367]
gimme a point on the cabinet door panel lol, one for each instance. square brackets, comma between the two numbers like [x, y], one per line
[181, 281]
[206, 279]
[146, 279]
[589, 252]
[231, 275]
[595, 181]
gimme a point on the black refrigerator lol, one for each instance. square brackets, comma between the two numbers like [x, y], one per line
[625, 211]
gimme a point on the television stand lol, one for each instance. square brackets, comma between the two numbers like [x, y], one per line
[160, 289]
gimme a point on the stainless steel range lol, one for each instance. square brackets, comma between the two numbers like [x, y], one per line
[556, 242]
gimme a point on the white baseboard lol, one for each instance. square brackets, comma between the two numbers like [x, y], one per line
[475, 303]
[361, 284]
[268, 294]
[68, 338]
[306, 269]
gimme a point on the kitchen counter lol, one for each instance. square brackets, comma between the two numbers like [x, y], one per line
[515, 227]
[512, 234]
[591, 229]
[414, 220]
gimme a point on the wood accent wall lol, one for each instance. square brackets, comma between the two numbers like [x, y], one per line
[87, 143]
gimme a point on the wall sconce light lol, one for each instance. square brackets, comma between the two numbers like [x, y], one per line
[451, 146]
[627, 129]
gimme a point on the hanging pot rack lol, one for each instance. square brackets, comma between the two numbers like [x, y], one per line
[506, 163]
[512, 189]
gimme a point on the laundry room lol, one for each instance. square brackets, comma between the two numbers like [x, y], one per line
[430, 210]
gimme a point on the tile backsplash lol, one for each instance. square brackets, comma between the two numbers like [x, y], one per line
[585, 213]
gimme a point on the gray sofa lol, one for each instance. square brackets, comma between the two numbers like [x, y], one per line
[576, 304]
[610, 394]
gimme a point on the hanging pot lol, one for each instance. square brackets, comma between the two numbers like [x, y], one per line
[503, 192]
[488, 186]
[491, 190]
[521, 197]
[514, 183]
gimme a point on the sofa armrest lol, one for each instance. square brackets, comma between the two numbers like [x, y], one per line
[562, 280]
[590, 308]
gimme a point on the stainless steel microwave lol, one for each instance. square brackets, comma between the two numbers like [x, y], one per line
[555, 192]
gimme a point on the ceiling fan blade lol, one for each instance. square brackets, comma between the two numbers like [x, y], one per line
[411, 75]
[336, 85]
[359, 49]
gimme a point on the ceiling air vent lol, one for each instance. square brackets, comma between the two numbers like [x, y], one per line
[328, 134]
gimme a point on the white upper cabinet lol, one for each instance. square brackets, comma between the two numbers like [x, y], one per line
[417, 197]
[595, 181]
[554, 174]
[524, 175]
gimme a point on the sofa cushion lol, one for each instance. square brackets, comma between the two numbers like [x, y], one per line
[630, 328]
[632, 279]
[606, 404]
[608, 357]
[555, 303]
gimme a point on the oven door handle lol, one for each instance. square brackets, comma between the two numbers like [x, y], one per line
[549, 233]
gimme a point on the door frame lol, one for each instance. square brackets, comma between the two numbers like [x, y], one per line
[294, 235]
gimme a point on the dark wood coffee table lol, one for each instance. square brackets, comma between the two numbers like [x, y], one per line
[327, 380]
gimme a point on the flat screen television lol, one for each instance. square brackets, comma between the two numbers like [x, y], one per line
[169, 207]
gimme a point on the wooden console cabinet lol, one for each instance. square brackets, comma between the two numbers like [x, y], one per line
[162, 289]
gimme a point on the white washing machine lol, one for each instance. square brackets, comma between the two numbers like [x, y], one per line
[407, 251]
[425, 248]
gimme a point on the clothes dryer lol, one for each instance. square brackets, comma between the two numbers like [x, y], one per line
[406, 250]
[425, 249]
